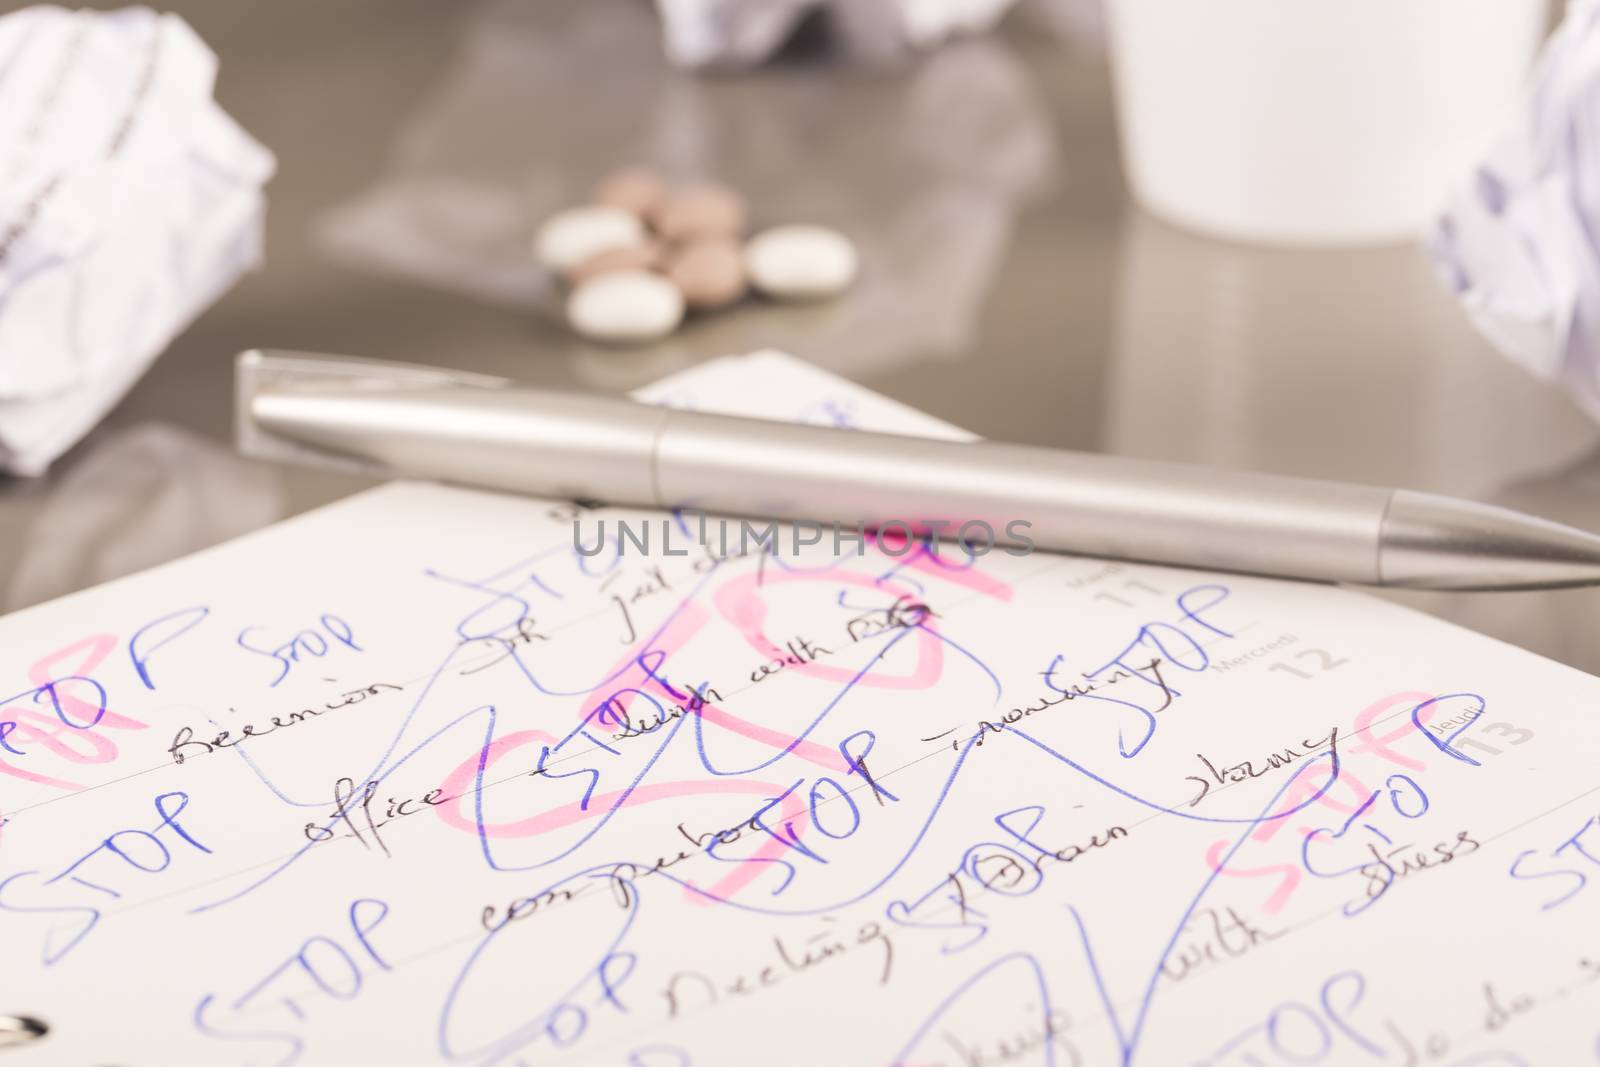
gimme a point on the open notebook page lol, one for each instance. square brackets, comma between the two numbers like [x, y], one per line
[413, 780]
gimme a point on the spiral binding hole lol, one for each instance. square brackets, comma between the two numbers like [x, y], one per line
[21, 1030]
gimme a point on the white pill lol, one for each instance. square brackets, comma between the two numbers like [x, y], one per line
[569, 237]
[800, 262]
[625, 306]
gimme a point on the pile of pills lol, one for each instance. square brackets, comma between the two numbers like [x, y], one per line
[643, 254]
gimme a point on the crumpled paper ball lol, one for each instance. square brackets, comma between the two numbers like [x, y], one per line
[1519, 241]
[736, 33]
[129, 202]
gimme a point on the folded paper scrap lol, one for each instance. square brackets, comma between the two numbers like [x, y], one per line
[129, 202]
[1517, 243]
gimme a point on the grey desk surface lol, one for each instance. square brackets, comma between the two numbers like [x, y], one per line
[1010, 286]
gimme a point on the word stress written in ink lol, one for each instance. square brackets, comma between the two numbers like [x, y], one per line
[425, 778]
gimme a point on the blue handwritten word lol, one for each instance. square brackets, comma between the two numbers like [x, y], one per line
[1297, 1034]
[50, 694]
[1406, 799]
[1580, 860]
[156, 634]
[831, 809]
[332, 969]
[561, 1019]
[1157, 647]
[312, 643]
[100, 870]
[1015, 868]
[1294, 1032]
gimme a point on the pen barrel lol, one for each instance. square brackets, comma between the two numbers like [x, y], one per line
[522, 440]
[391, 419]
[1072, 502]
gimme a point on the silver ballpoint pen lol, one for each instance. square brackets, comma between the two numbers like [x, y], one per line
[404, 420]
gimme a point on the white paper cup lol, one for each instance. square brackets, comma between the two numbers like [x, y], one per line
[1312, 121]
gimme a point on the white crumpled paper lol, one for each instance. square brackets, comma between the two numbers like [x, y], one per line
[1519, 242]
[129, 201]
[701, 33]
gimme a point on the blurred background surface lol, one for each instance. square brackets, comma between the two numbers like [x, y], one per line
[1009, 284]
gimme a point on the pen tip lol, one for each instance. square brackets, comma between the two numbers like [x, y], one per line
[1436, 542]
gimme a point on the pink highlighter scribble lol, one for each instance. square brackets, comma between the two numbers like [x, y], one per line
[458, 786]
[609, 707]
[739, 601]
[1304, 788]
[78, 720]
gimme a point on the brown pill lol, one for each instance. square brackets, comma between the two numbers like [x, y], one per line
[636, 189]
[710, 273]
[636, 257]
[705, 210]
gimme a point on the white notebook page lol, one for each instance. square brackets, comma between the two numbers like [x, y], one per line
[411, 780]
